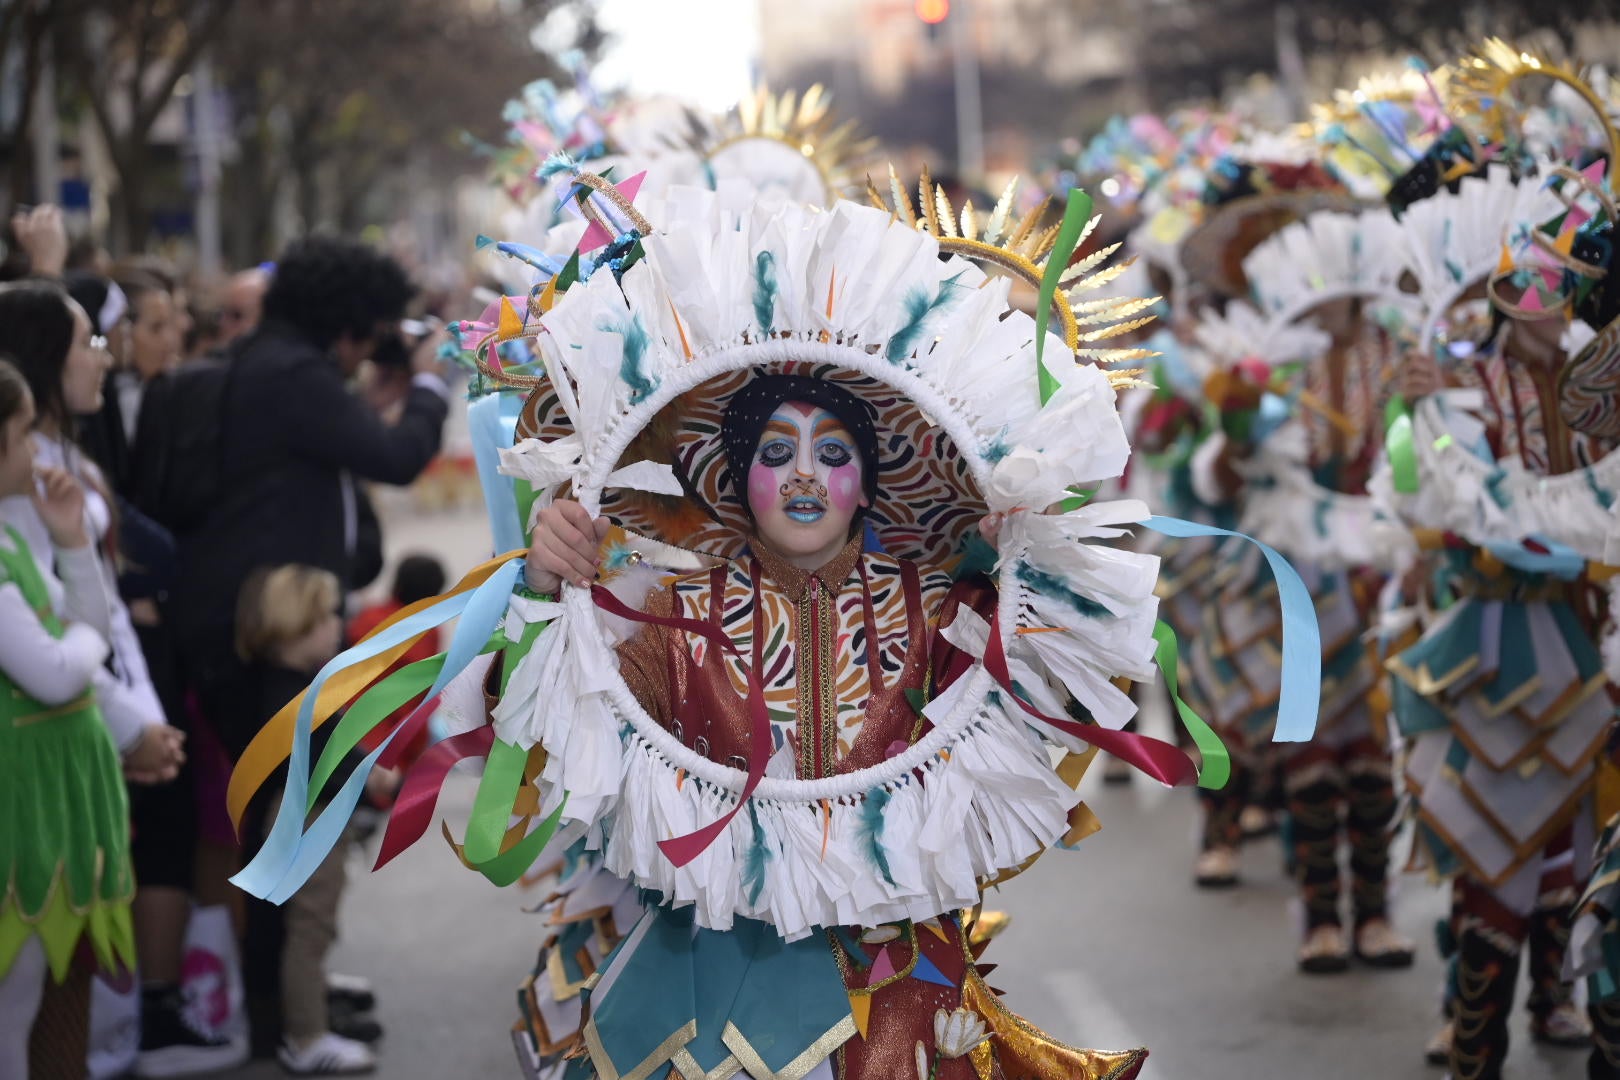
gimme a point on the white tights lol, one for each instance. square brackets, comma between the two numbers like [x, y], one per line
[21, 989]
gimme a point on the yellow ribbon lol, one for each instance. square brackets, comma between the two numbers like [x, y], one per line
[273, 744]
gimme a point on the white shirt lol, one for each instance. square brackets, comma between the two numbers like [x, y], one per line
[49, 669]
[128, 700]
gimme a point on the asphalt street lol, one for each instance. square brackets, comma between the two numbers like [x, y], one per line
[1110, 946]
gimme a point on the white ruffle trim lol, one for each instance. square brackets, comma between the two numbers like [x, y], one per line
[976, 796]
[1482, 501]
[1285, 507]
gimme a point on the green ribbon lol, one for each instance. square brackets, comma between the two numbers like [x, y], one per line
[497, 792]
[1216, 767]
[1075, 216]
[1398, 444]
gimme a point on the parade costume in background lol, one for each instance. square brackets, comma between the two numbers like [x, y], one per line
[815, 882]
[1502, 696]
[1305, 492]
[1253, 190]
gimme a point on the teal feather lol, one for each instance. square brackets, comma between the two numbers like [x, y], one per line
[1603, 495]
[918, 308]
[617, 556]
[872, 807]
[557, 164]
[631, 368]
[1055, 587]
[759, 853]
[765, 291]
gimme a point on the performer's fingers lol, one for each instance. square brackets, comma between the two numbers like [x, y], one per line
[567, 560]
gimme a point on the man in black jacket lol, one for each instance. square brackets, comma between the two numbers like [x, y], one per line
[293, 438]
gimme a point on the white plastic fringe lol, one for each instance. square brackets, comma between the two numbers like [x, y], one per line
[1482, 501]
[1285, 507]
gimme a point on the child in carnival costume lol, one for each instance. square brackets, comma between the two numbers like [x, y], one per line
[1502, 696]
[812, 753]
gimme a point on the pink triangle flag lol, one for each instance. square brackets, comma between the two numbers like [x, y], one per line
[1595, 171]
[882, 968]
[631, 187]
[1531, 301]
[595, 237]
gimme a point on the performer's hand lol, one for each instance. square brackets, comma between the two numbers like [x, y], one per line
[1418, 377]
[564, 546]
[990, 527]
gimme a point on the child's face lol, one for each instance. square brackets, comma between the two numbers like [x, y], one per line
[314, 649]
[17, 458]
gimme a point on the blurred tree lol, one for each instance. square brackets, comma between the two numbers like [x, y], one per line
[336, 100]
[127, 59]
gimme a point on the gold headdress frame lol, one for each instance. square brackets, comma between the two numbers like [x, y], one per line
[1482, 84]
[804, 123]
[1018, 245]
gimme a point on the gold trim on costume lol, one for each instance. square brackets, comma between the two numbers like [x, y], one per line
[813, 1055]
[603, 1063]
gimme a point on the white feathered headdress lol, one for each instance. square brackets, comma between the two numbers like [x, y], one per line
[1453, 241]
[714, 293]
[1328, 256]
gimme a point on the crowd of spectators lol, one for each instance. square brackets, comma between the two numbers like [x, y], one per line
[223, 442]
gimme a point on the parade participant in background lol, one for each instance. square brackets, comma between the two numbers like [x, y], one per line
[1501, 695]
[64, 847]
[1299, 387]
[846, 428]
[1250, 192]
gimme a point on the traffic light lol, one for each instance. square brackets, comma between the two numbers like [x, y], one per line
[933, 12]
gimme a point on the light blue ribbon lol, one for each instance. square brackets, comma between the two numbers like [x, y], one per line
[1301, 695]
[492, 423]
[1560, 561]
[290, 855]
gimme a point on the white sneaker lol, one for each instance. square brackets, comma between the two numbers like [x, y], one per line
[328, 1055]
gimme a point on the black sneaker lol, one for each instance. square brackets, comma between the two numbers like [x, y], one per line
[359, 1028]
[173, 1044]
[351, 992]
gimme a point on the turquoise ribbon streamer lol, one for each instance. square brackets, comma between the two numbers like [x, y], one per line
[1301, 695]
[492, 422]
[1560, 560]
[290, 855]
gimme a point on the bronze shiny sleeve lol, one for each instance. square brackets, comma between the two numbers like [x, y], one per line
[946, 662]
[644, 660]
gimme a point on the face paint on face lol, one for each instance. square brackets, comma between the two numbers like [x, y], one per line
[804, 485]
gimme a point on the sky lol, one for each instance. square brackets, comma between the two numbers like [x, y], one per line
[668, 47]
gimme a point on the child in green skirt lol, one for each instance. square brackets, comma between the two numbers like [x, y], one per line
[64, 815]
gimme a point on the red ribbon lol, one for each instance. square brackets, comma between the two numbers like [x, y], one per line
[1160, 760]
[413, 809]
[681, 850]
